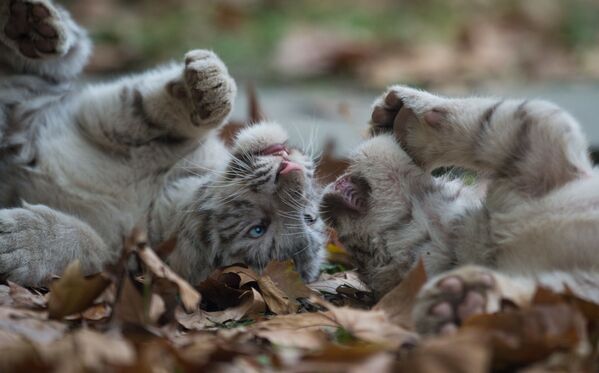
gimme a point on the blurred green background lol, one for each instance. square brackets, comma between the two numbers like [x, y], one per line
[319, 64]
[367, 42]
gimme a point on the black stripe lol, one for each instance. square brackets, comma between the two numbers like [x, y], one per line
[140, 112]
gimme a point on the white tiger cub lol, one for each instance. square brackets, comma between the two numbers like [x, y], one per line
[532, 215]
[82, 166]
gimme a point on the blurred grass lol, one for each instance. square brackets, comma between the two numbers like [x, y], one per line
[246, 33]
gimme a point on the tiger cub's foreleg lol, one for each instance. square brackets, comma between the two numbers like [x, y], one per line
[530, 147]
[164, 109]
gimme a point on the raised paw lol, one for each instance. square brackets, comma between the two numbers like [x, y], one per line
[413, 116]
[34, 28]
[209, 87]
[447, 301]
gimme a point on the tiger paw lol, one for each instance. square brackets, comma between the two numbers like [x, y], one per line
[34, 28]
[450, 299]
[209, 87]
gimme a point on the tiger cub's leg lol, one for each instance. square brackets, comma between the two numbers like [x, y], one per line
[166, 108]
[530, 147]
[450, 298]
[39, 37]
[37, 242]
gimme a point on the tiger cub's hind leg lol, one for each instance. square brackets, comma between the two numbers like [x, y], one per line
[41, 38]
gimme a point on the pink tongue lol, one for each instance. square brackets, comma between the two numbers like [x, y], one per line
[287, 167]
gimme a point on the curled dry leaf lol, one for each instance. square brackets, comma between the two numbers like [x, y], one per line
[34, 326]
[329, 283]
[398, 303]
[24, 298]
[87, 350]
[136, 307]
[190, 298]
[251, 304]
[73, 292]
[286, 278]
[460, 353]
[225, 288]
[281, 286]
[524, 336]
[372, 326]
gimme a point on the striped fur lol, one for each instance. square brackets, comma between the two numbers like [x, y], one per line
[82, 165]
[531, 216]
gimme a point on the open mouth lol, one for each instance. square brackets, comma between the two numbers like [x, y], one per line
[353, 191]
[348, 194]
[287, 165]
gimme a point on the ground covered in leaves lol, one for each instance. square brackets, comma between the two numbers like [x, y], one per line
[142, 317]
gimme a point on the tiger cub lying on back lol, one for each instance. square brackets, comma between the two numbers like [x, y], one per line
[532, 215]
[81, 167]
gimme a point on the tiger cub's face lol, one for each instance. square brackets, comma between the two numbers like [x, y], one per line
[266, 204]
[369, 204]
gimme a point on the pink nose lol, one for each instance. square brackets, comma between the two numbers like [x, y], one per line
[287, 167]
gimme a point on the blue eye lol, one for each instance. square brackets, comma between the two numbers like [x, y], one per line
[257, 231]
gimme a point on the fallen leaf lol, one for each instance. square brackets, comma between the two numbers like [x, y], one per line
[465, 352]
[97, 312]
[399, 302]
[88, 350]
[298, 338]
[281, 286]
[32, 325]
[372, 326]
[525, 336]
[137, 307]
[221, 291]
[24, 298]
[277, 301]
[251, 303]
[73, 292]
[190, 298]
[304, 321]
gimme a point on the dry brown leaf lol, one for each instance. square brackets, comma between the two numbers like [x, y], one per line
[130, 305]
[372, 326]
[329, 283]
[281, 285]
[24, 298]
[298, 321]
[222, 289]
[465, 352]
[251, 303]
[73, 292]
[189, 296]
[398, 303]
[298, 338]
[277, 301]
[528, 335]
[87, 350]
[32, 325]
[286, 278]
[246, 275]
[97, 312]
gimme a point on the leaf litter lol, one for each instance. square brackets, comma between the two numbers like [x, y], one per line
[140, 316]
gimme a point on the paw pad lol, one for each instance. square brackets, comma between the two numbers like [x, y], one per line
[30, 27]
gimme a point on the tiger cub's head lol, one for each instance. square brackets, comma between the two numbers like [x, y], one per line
[265, 205]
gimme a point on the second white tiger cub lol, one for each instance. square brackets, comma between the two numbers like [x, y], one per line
[532, 215]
